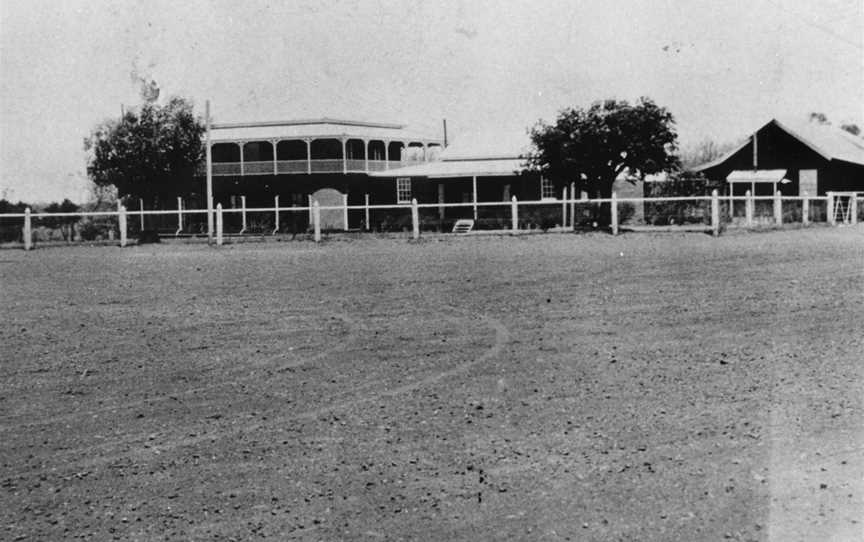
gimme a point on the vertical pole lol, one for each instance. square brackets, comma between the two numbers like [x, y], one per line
[28, 230]
[276, 202]
[345, 211]
[365, 158]
[366, 210]
[309, 168]
[415, 219]
[220, 225]
[316, 220]
[573, 206]
[441, 200]
[805, 209]
[778, 209]
[179, 214]
[829, 210]
[853, 208]
[715, 213]
[344, 156]
[311, 212]
[731, 203]
[564, 208]
[514, 213]
[275, 161]
[474, 193]
[243, 213]
[614, 208]
[209, 180]
[121, 218]
[748, 209]
[141, 208]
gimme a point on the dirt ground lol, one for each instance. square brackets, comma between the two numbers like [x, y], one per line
[545, 387]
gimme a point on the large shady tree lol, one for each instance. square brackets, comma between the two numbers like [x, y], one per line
[150, 152]
[592, 146]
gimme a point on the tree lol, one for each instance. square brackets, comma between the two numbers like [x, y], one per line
[703, 152]
[592, 146]
[66, 224]
[151, 153]
[852, 128]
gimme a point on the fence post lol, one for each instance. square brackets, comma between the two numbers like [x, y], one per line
[514, 213]
[805, 209]
[316, 220]
[853, 208]
[613, 207]
[141, 208]
[121, 218]
[778, 209]
[28, 230]
[243, 214]
[829, 209]
[415, 219]
[564, 208]
[366, 210]
[311, 217]
[179, 216]
[572, 206]
[220, 226]
[276, 229]
[715, 213]
[345, 210]
[748, 209]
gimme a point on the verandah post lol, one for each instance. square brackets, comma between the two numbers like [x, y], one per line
[243, 214]
[28, 230]
[853, 208]
[514, 213]
[415, 219]
[368, 227]
[748, 208]
[141, 208]
[778, 209]
[316, 220]
[121, 219]
[613, 207]
[805, 209]
[715, 213]
[220, 225]
[830, 209]
[179, 215]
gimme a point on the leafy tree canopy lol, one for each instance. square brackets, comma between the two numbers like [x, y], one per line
[151, 153]
[592, 146]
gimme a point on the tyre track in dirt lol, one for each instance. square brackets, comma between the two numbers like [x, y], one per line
[501, 338]
[354, 334]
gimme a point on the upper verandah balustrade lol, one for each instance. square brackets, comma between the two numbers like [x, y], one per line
[315, 146]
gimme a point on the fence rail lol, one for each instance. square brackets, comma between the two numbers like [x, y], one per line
[702, 213]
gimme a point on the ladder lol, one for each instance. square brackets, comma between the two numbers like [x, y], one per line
[463, 226]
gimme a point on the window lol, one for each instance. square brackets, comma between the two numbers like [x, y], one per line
[547, 189]
[403, 190]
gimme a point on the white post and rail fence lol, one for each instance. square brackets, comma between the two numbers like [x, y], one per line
[703, 213]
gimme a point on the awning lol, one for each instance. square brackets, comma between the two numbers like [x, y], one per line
[751, 176]
[493, 167]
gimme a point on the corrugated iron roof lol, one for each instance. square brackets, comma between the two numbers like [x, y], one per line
[830, 142]
[315, 128]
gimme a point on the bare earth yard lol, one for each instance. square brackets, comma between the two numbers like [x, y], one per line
[550, 387]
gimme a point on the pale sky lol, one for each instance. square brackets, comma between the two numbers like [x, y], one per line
[722, 68]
